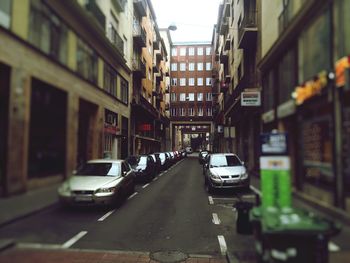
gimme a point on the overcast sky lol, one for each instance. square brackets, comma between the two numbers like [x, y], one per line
[194, 18]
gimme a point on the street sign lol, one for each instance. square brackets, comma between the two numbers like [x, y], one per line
[250, 98]
[274, 144]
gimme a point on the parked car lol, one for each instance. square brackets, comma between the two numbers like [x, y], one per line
[189, 149]
[98, 182]
[143, 166]
[225, 170]
[157, 162]
[202, 154]
[165, 162]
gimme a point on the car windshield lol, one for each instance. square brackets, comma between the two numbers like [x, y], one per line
[99, 169]
[224, 160]
[143, 160]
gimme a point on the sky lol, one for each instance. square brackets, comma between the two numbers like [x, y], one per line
[194, 19]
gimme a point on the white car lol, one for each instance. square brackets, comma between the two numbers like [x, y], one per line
[98, 182]
[225, 171]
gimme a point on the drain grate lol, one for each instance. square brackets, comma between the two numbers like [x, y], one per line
[169, 256]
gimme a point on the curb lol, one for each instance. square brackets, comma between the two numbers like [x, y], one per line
[6, 244]
[231, 258]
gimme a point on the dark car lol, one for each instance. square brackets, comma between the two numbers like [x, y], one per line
[143, 166]
[202, 154]
[157, 161]
[164, 161]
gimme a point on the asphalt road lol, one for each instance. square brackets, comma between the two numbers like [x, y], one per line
[172, 213]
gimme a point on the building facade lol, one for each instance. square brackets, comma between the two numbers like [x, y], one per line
[191, 92]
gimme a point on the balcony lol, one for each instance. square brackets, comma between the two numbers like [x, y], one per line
[224, 58]
[227, 7]
[224, 26]
[139, 34]
[141, 7]
[247, 31]
[155, 68]
[285, 17]
[119, 4]
[138, 68]
[167, 106]
[95, 10]
[116, 40]
[224, 87]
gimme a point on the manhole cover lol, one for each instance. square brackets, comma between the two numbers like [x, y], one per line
[169, 256]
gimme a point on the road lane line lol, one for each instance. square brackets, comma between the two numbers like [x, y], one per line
[222, 243]
[216, 219]
[332, 247]
[211, 201]
[74, 239]
[145, 185]
[155, 179]
[131, 196]
[106, 215]
[38, 246]
[257, 191]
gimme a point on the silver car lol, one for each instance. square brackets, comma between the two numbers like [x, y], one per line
[225, 170]
[98, 182]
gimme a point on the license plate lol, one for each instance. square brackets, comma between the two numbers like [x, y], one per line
[229, 181]
[83, 198]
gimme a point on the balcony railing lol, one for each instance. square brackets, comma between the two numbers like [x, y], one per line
[224, 26]
[139, 34]
[95, 10]
[285, 17]
[116, 39]
[119, 4]
[247, 31]
[139, 68]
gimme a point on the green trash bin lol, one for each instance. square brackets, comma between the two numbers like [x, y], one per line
[292, 237]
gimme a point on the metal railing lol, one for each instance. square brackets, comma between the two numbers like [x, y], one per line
[95, 10]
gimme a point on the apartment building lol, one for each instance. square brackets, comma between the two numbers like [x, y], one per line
[191, 90]
[304, 43]
[235, 78]
[149, 120]
[65, 87]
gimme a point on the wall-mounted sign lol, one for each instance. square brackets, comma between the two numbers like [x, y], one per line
[110, 129]
[229, 132]
[145, 127]
[250, 98]
[274, 144]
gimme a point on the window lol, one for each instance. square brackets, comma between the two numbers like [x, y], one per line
[191, 66]
[174, 82]
[207, 66]
[49, 34]
[113, 35]
[86, 61]
[209, 97]
[174, 66]
[208, 81]
[124, 90]
[182, 96]
[190, 112]
[191, 96]
[182, 66]
[149, 75]
[200, 51]
[200, 111]
[200, 81]
[174, 51]
[209, 112]
[173, 112]
[191, 81]
[182, 111]
[199, 96]
[182, 82]
[208, 51]
[191, 51]
[173, 96]
[200, 66]
[5, 13]
[183, 51]
[110, 80]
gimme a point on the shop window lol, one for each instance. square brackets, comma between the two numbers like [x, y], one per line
[287, 75]
[47, 32]
[5, 13]
[268, 91]
[86, 61]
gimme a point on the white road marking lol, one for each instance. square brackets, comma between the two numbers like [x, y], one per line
[131, 196]
[74, 239]
[211, 201]
[155, 179]
[333, 247]
[216, 219]
[257, 191]
[106, 215]
[38, 246]
[222, 243]
[145, 185]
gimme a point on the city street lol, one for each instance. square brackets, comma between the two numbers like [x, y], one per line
[172, 213]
